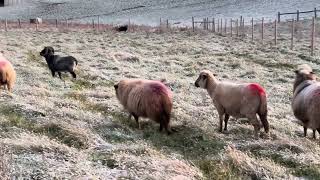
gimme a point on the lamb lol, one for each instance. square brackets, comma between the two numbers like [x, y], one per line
[7, 74]
[146, 98]
[237, 100]
[122, 28]
[306, 99]
[59, 64]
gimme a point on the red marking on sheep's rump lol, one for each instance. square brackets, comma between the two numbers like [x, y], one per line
[3, 62]
[254, 87]
[159, 88]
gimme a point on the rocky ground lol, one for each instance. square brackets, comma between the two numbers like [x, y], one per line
[80, 131]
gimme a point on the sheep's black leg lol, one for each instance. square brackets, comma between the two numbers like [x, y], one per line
[226, 118]
[305, 130]
[137, 120]
[73, 74]
[53, 73]
[314, 134]
[59, 73]
[161, 126]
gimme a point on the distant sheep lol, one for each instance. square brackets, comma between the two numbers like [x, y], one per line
[36, 21]
[59, 64]
[122, 28]
[306, 99]
[238, 100]
[146, 98]
[7, 74]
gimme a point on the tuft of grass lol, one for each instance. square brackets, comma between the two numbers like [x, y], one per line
[218, 170]
[80, 84]
[35, 57]
[105, 159]
[308, 171]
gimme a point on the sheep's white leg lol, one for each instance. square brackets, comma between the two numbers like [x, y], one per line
[221, 117]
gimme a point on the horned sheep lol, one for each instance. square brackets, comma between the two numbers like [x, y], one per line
[238, 100]
[146, 98]
[306, 99]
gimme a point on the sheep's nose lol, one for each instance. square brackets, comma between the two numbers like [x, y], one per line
[196, 84]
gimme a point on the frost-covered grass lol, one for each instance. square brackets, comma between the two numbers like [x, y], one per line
[81, 131]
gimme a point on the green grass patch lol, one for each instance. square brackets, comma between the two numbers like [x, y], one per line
[105, 159]
[35, 57]
[308, 171]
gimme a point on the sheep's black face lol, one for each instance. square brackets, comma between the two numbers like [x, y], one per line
[47, 51]
[201, 81]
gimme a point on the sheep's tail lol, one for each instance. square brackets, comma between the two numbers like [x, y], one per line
[263, 112]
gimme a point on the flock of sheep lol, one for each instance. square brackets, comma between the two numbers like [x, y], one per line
[153, 99]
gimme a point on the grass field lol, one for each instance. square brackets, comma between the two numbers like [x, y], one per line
[51, 131]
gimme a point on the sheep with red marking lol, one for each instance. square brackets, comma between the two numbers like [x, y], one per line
[306, 99]
[146, 98]
[7, 74]
[244, 100]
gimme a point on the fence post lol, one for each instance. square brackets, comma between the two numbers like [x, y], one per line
[225, 27]
[297, 15]
[231, 27]
[218, 24]
[252, 29]
[98, 23]
[292, 32]
[315, 12]
[167, 23]
[279, 17]
[92, 23]
[221, 26]
[37, 24]
[237, 28]
[243, 33]
[213, 25]
[19, 21]
[275, 32]
[6, 25]
[207, 23]
[262, 29]
[56, 23]
[192, 23]
[312, 36]
[67, 23]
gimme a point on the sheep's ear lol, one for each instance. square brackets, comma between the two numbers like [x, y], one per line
[116, 86]
[296, 71]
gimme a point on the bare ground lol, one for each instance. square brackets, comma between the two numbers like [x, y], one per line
[80, 131]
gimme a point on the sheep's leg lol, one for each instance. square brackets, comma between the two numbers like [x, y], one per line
[10, 88]
[60, 76]
[161, 126]
[314, 134]
[167, 127]
[137, 120]
[305, 131]
[254, 121]
[53, 73]
[73, 74]
[226, 118]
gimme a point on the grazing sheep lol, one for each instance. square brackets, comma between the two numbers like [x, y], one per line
[238, 100]
[306, 99]
[123, 28]
[146, 98]
[7, 74]
[59, 64]
[36, 21]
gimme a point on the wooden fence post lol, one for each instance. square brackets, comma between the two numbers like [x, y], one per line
[243, 33]
[315, 12]
[262, 29]
[279, 17]
[56, 23]
[213, 25]
[167, 23]
[292, 32]
[225, 27]
[207, 23]
[252, 29]
[275, 32]
[37, 24]
[221, 26]
[312, 36]
[92, 23]
[6, 25]
[67, 23]
[297, 15]
[218, 25]
[192, 23]
[237, 27]
[19, 22]
[231, 27]
[98, 23]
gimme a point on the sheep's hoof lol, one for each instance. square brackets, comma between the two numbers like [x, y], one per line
[174, 130]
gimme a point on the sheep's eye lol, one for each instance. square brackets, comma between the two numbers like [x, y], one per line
[204, 77]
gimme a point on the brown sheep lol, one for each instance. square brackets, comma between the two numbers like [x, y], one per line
[7, 74]
[306, 99]
[237, 100]
[146, 98]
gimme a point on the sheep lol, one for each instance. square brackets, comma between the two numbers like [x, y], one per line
[7, 74]
[306, 99]
[59, 64]
[36, 21]
[237, 100]
[146, 98]
[122, 28]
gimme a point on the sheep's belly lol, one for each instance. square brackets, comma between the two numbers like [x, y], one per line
[235, 114]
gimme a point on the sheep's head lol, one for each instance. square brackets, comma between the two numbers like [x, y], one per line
[203, 79]
[304, 72]
[48, 50]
